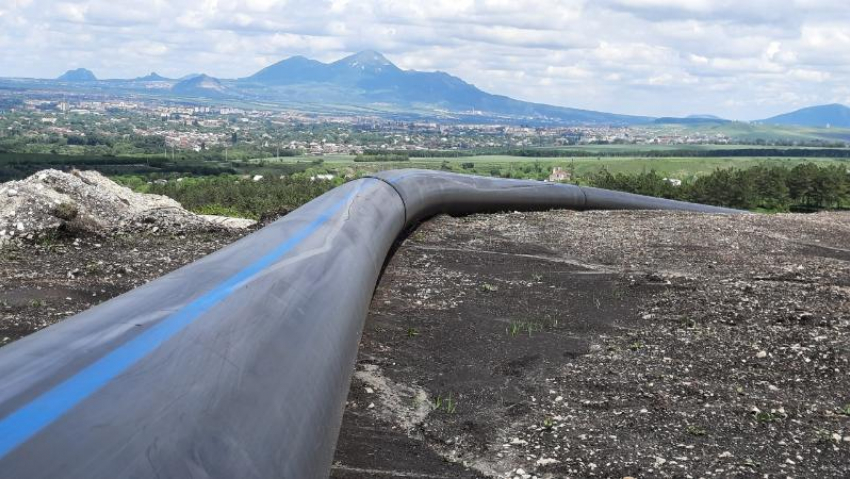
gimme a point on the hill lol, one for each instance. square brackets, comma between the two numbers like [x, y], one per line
[369, 78]
[705, 117]
[691, 120]
[202, 86]
[78, 75]
[153, 76]
[824, 116]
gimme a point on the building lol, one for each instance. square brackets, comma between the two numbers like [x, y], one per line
[560, 174]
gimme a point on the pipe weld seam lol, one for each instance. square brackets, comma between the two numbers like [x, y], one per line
[397, 192]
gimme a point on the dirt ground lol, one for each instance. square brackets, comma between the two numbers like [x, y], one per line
[559, 344]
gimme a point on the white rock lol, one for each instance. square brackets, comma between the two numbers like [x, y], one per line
[761, 354]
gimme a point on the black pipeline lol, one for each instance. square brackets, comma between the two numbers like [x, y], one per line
[238, 364]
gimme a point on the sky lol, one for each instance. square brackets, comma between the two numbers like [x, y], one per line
[741, 59]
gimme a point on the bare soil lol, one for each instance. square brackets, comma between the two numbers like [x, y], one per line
[609, 344]
[559, 344]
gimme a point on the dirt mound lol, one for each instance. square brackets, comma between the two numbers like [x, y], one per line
[87, 202]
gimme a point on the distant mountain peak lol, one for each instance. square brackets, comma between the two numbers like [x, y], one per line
[200, 85]
[152, 76]
[366, 60]
[78, 75]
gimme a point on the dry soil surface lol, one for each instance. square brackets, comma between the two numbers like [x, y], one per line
[607, 344]
[559, 344]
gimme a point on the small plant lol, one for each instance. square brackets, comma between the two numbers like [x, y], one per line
[823, 436]
[548, 422]
[36, 303]
[446, 404]
[636, 346]
[845, 411]
[48, 240]
[94, 268]
[766, 417]
[695, 430]
[516, 327]
[513, 328]
[412, 332]
[537, 277]
[489, 288]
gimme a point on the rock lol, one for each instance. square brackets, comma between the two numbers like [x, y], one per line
[82, 202]
[761, 354]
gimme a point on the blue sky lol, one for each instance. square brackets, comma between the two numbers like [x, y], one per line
[743, 59]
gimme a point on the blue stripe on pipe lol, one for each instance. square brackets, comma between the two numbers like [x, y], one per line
[37, 414]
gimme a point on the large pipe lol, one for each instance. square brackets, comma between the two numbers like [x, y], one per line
[238, 364]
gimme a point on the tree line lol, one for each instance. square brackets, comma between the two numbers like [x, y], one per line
[805, 187]
[15, 166]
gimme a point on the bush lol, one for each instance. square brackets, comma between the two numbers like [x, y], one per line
[230, 195]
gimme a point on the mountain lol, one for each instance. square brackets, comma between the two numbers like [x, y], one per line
[834, 115]
[368, 78]
[292, 70]
[153, 76]
[78, 75]
[202, 86]
[704, 117]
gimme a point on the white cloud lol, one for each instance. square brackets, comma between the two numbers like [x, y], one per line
[662, 57]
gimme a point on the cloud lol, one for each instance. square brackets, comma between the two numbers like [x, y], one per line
[661, 57]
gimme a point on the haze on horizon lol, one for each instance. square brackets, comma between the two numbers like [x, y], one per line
[741, 60]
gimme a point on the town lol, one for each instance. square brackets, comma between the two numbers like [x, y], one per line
[106, 124]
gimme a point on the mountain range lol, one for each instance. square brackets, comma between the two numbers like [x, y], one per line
[368, 78]
[824, 116]
[367, 82]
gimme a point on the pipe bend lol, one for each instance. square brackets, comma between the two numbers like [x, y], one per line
[237, 365]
